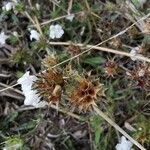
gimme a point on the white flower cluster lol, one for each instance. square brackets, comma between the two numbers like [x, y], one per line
[3, 38]
[31, 96]
[9, 6]
[55, 31]
[124, 144]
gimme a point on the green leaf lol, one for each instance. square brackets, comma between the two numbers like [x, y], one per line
[27, 126]
[11, 117]
[94, 60]
[15, 19]
[98, 135]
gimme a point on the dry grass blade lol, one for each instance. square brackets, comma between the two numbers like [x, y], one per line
[8, 87]
[142, 58]
[56, 108]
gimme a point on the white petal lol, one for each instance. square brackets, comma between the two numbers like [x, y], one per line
[70, 17]
[31, 96]
[52, 34]
[3, 38]
[52, 27]
[141, 73]
[59, 34]
[41, 104]
[15, 33]
[37, 5]
[124, 144]
[34, 35]
[8, 6]
[56, 31]
[58, 27]
[24, 77]
[133, 53]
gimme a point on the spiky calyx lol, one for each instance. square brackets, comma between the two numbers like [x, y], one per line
[141, 75]
[49, 61]
[86, 94]
[73, 49]
[111, 68]
[49, 85]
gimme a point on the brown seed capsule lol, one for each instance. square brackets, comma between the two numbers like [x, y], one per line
[73, 49]
[49, 61]
[49, 86]
[111, 68]
[85, 94]
[116, 42]
[141, 75]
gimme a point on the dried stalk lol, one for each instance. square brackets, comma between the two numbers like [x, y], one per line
[112, 123]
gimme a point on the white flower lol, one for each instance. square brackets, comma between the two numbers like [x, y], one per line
[31, 96]
[3, 38]
[124, 144]
[141, 72]
[15, 33]
[34, 35]
[135, 52]
[9, 6]
[56, 31]
[70, 17]
[37, 5]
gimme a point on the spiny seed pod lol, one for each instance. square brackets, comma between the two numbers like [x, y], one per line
[147, 26]
[49, 85]
[86, 94]
[116, 42]
[73, 49]
[141, 75]
[49, 61]
[111, 68]
[133, 33]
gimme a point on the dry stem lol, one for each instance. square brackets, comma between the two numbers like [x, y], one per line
[112, 123]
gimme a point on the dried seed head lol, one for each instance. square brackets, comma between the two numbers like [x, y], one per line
[147, 26]
[73, 49]
[116, 42]
[49, 61]
[141, 75]
[133, 32]
[111, 68]
[49, 85]
[85, 94]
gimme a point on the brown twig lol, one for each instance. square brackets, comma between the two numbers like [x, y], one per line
[139, 57]
[56, 108]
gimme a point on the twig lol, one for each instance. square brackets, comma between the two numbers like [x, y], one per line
[56, 108]
[69, 6]
[38, 25]
[139, 57]
[27, 14]
[112, 123]
[5, 75]
[55, 19]
[15, 90]
[8, 87]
